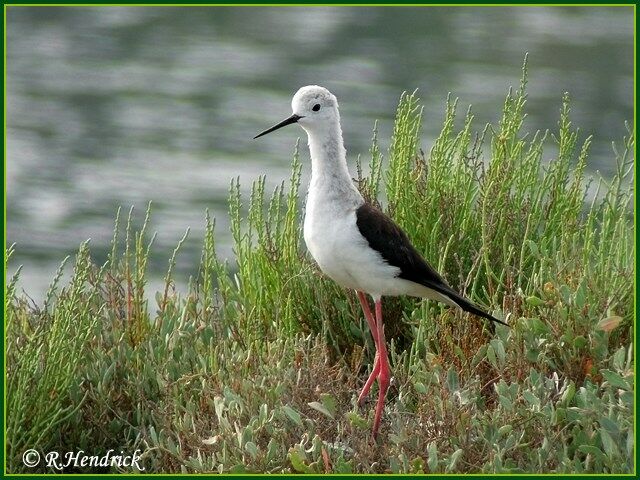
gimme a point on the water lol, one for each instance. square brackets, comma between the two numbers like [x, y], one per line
[119, 106]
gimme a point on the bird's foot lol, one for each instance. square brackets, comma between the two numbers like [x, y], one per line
[384, 379]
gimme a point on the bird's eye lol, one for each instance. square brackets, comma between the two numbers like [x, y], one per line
[316, 107]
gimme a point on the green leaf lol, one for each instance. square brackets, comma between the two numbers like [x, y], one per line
[297, 461]
[610, 426]
[329, 402]
[498, 347]
[534, 301]
[108, 374]
[535, 377]
[153, 435]
[356, 420]
[609, 324]
[590, 449]
[615, 379]
[218, 404]
[532, 355]
[420, 388]
[580, 296]
[533, 247]
[630, 443]
[454, 459]
[531, 398]
[627, 398]
[565, 293]
[294, 415]
[491, 356]
[538, 326]
[320, 408]
[479, 356]
[272, 450]
[394, 465]
[568, 393]
[505, 430]
[432, 461]
[355, 330]
[453, 383]
[342, 466]
[417, 465]
[252, 448]
[619, 358]
[580, 342]
[505, 402]
[238, 468]
[398, 439]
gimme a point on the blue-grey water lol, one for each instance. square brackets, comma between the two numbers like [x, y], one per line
[123, 105]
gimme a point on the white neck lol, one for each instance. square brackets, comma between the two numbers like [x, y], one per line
[330, 178]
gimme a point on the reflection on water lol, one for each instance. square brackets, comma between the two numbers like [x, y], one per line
[119, 106]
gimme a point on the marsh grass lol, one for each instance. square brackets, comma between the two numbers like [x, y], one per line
[256, 368]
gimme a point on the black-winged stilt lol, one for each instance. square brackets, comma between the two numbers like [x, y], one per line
[354, 243]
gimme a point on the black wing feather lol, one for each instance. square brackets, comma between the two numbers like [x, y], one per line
[393, 244]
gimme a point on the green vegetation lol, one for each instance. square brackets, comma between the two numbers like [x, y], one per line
[259, 370]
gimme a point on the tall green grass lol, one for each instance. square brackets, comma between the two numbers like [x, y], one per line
[255, 367]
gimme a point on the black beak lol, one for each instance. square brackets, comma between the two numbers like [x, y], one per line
[287, 121]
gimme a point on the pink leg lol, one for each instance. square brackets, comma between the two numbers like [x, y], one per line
[370, 380]
[368, 315]
[374, 333]
[384, 376]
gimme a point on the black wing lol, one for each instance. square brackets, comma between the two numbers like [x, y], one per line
[387, 238]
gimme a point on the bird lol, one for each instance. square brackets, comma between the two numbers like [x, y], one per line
[353, 242]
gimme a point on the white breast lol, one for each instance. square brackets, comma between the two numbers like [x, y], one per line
[344, 255]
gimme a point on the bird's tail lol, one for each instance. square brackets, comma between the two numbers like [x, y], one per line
[467, 306]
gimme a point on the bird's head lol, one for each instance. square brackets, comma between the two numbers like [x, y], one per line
[314, 108]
